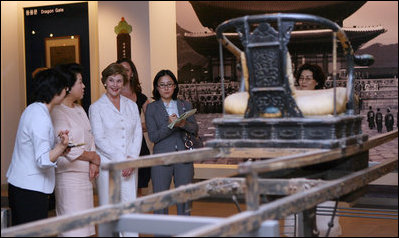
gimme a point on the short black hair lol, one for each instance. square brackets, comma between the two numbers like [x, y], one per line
[69, 71]
[47, 84]
[155, 92]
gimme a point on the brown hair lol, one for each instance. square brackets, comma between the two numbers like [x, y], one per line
[113, 69]
[134, 81]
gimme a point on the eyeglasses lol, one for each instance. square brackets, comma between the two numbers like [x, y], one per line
[307, 79]
[164, 86]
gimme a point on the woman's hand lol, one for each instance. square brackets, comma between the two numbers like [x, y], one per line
[64, 138]
[94, 158]
[173, 118]
[94, 170]
[64, 141]
[61, 148]
[127, 172]
[94, 166]
[143, 127]
[181, 123]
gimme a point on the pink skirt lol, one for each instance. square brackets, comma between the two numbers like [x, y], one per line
[74, 193]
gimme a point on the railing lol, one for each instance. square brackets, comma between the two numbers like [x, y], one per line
[300, 194]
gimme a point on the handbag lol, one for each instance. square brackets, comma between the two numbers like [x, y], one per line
[192, 141]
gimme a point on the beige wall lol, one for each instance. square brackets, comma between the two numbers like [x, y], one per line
[12, 87]
[163, 43]
[153, 40]
[153, 36]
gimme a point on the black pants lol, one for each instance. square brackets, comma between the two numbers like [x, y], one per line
[27, 205]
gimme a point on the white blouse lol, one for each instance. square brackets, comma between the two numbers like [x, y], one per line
[117, 134]
[76, 121]
[30, 166]
[171, 108]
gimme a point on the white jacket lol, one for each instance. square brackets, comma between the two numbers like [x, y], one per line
[117, 134]
[30, 166]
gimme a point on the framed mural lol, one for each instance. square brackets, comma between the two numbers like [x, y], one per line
[61, 50]
[57, 34]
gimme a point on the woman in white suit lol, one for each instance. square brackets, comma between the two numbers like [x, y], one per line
[117, 131]
[31, 176]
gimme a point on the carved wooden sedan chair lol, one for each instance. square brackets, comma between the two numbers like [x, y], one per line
[268, 111]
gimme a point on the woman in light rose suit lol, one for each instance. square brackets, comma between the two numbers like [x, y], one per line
[76, 170]
[117, 131]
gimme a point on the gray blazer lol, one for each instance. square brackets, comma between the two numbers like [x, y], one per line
[165, 139]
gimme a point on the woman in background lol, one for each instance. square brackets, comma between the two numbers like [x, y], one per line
[165, 109]
[76, 170]
[310, 77]
[132, 90]
[31, 176]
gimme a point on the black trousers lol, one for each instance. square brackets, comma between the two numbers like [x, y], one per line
[27, 205]
[379, 128]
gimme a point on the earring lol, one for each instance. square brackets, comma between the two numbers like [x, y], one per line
[105, 85]
[68, 90]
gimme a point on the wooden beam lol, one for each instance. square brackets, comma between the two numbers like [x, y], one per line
[167, 158]
[314, 157]
[112, 212]
[208, 171]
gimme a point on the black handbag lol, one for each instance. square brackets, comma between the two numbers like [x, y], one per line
[192, 141]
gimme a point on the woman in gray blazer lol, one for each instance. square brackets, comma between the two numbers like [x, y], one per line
[159, 114]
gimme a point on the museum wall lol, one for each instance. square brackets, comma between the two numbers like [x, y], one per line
[153, 37]
[12, 88]
[153, 44]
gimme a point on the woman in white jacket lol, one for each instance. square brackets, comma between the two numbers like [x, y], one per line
[31, 176]
[117, 131]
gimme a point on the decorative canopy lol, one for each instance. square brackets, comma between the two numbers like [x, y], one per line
[212, 13]
[205, 43]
